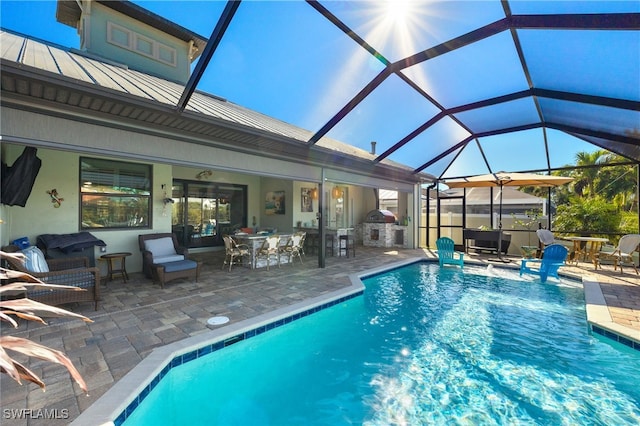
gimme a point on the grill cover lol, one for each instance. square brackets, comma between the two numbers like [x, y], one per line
[380, 216]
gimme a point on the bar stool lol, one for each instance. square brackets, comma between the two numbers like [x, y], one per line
[329, 244]
[312, 243]
[348, 245]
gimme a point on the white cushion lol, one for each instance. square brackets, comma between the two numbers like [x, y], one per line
[167, 259]
[160, 247]
[35, 261]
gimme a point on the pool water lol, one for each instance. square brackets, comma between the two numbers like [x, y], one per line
[424, 345]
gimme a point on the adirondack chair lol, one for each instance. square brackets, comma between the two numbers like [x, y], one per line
[553, 258]
[447, 253]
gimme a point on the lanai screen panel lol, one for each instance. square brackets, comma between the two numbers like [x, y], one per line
[461, 72]
[371, 120]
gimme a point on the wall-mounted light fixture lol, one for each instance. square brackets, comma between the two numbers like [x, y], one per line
[165, 200]
[314, 194]
[336, 192]
[205, 174]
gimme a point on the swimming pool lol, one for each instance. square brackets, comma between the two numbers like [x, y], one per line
[422, 345]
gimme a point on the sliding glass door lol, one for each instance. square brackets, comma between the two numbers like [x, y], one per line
[206, 211]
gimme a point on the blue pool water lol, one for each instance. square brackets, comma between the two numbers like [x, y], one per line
[421, 346]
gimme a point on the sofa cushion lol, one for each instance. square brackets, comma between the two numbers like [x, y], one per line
[160, 247]
[35, 261]
[167, 259]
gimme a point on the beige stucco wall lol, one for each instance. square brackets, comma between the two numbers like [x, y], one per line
[60, 171]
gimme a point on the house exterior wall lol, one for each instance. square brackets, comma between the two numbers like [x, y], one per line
[61, 170]
[60, 143]
[96, 29]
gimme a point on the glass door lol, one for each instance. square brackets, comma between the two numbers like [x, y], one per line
[336, 210]
[205, 211]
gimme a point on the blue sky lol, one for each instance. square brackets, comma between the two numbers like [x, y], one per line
[283, 59]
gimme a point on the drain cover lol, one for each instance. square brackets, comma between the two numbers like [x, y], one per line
[217, 320]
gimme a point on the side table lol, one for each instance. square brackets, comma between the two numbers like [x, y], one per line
[113, 260]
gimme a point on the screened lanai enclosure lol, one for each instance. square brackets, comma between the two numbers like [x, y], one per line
[448, 89]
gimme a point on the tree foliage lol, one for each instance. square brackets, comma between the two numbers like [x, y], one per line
[587, 214]
[601, 198]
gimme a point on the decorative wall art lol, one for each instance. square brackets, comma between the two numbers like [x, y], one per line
[274, 202]
[55, 198]
[306, 199]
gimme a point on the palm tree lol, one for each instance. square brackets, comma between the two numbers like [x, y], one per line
[585, 177]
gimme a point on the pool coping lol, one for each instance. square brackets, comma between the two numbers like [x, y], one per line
[600, 320]
[106, 409]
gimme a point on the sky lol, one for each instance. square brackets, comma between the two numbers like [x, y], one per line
[284, 60]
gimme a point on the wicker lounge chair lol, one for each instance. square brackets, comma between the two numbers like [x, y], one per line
[163, 259]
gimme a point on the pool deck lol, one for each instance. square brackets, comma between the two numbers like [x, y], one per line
[136, 317]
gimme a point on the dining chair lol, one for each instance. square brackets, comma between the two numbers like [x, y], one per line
[270, 247]
[293, 247]
[303, 240]
[233, 251]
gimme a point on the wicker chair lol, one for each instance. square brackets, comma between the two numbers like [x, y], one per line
[166, 262]
[293, 247]
[71, 271]
[234, 252]
[270, 247]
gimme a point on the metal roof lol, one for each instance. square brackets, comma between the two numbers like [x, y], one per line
[85, 86]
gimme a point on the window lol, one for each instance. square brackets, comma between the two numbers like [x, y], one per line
[144, 45]
[130, 40]
[114, 194]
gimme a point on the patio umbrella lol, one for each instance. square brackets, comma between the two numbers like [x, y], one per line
[501, 179]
